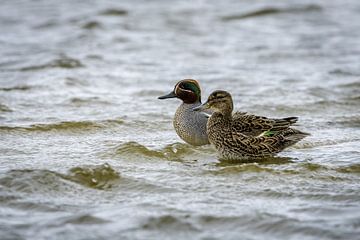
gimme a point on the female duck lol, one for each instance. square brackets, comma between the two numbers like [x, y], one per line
[189, 125]
[225, 132]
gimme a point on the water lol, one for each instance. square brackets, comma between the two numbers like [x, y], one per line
[87, 150]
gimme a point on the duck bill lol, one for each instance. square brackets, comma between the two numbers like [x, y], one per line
[170, 95]
[202, 107]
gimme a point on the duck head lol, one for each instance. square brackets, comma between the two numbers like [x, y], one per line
[218, 101]
[188, 90]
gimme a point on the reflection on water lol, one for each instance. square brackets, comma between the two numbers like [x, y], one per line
[88, 152]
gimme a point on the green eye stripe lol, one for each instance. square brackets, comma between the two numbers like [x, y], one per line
[191, 86]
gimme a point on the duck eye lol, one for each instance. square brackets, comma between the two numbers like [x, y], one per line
[187, 86]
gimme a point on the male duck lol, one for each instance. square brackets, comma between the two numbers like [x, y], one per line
[189, 125]
[229, 133]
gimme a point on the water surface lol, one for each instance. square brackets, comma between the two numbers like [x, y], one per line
[87, 151]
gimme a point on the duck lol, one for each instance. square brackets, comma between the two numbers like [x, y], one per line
[255, 137]
[190, 126]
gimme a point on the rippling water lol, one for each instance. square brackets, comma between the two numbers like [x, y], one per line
[88, 152]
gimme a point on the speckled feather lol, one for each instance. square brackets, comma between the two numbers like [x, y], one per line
[253, 125]
[189, 125]
[232, 144]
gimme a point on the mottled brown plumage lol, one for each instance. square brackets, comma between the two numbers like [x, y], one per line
[226, 132]
[253, 125]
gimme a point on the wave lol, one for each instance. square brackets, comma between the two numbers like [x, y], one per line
[274, 166]
[147, 92]
[354, 168]
[273, 11]
[66, 126]
[31, 181]
[77, 101]
[72, 81]
[15, 88]
[34, 180]
[329, 171]
[114, 12]
[263, 224]
[174, 152]
[77, 179]
[169, 223]
[99, 177]
[266, 166]
[92, 25]
[313, 144]
[351, 85]
[63, 62]
[241, 167]
[134, 148]
[83, 219]
[343, 72]
[346, 121]
[4, 108]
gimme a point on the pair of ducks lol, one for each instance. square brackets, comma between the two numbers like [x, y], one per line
[235, 135]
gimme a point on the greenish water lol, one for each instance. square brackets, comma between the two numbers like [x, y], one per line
[87, 151]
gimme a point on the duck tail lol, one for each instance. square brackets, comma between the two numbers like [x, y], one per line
[291, 120]
[283, 123]
[293, 136]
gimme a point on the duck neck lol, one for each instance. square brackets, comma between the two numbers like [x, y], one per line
[189, 97]
[219, 120]
[189, 106]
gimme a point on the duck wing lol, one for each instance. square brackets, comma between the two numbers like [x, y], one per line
[253, 125]
[254, 146]
[264, 145]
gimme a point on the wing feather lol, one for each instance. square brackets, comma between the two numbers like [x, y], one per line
[253, 125]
